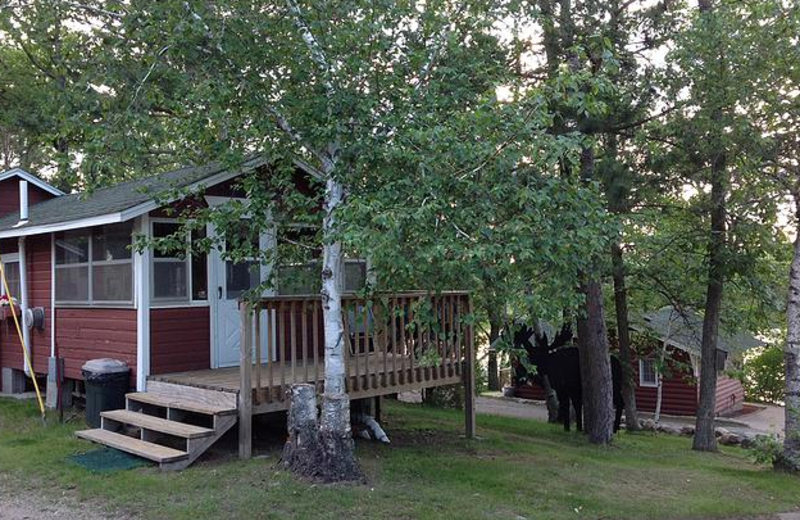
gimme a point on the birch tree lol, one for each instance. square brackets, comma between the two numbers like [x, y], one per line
[348, 89]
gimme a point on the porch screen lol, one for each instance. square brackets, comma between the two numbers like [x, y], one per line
[94, 267]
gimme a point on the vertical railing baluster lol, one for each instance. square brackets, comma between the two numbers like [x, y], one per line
[304, 327]
[393, 337]
[283, 341]
[403, 343]
[270, 349]
[356, 345]
[257, 323]
[414, 334]
[293, 332]
[380, 320]
[459, 336]
[367, 357]
[316, 304]
[347, 344]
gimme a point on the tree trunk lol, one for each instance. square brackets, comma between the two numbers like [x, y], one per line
[790, 457]
[492, 369]
[595, 366]
[704, 438]
[302, 451]
[335, 460]
[623, 334]
[551, 399]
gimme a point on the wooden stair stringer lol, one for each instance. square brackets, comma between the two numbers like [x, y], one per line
[145, 411]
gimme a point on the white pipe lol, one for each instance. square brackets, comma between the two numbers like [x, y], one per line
[53, 295]
[23, 289]
[23, 201]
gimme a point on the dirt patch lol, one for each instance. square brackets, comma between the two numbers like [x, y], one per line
[29, 503]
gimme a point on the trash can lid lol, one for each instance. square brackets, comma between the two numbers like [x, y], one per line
[105, 366]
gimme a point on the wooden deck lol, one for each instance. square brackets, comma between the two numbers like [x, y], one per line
[395, 342]
[370, 375]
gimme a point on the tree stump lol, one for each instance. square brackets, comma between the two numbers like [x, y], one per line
[320, 452]
[302, 452]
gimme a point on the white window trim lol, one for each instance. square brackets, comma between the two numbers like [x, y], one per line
[90, 301]
[642, 382]
[180, 302]
[8, 258]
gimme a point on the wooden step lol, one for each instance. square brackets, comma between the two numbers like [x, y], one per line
[157, 424]
[166, 401]
[147, 450]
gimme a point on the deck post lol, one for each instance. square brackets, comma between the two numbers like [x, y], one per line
[469, 378]
[245, 387]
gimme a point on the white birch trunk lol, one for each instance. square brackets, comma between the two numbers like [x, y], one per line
[332, 292]
[791, 445]
[659, 397]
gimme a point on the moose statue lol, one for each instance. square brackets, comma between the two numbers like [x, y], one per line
[560, 362]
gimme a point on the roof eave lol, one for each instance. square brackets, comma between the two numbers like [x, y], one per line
[39, 183]
[120, 216]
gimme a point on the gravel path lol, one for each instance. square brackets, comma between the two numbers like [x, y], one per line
[769, 420]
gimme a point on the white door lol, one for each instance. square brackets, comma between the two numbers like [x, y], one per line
[230, 280]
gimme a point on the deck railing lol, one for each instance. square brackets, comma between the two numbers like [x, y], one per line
[393, 342]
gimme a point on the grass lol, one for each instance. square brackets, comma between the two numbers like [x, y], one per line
[519, 468]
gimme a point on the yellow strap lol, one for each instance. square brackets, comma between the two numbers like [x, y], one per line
[22, 338]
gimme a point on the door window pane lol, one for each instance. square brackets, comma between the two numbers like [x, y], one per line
[241, 277]
[112, 283]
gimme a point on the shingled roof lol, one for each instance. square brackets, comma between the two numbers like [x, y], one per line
[117, 203]
[685, 331]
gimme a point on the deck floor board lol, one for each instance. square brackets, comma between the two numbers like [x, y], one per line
[228, 378]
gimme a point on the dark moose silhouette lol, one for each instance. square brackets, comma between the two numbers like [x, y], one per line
[561, 364]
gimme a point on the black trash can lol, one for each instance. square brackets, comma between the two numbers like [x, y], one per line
[107, 382]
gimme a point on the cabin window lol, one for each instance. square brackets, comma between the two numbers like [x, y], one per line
[178, 275]
[95, 267]
[301, 260]
[11, 267]
[648, 375]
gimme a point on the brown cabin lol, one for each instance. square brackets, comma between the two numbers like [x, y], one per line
[178, 322]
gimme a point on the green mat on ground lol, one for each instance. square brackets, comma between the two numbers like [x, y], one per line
[105, 460]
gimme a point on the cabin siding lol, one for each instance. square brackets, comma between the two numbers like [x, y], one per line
[679, 392]
[38, 266]
[730, 395]
[9, 196]
[180, 339]
[88, 333]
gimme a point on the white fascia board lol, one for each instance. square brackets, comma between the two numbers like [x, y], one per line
[111, 218]
[39, 183]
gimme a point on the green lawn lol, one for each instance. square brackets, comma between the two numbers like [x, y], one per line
[517, 468]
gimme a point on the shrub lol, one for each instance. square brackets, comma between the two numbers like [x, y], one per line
[766, 449]
[762, 376]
